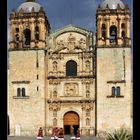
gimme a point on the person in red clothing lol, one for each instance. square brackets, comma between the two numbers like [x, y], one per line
[61, 134]
[78, 134]
[40, 134]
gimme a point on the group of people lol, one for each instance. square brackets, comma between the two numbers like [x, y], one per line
[57, 134]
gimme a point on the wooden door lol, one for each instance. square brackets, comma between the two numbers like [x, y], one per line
[71, 118]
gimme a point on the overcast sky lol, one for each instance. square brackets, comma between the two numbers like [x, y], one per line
[61, 13]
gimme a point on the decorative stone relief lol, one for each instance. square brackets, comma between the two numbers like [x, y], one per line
[82, 41]
[71, 89]
[60, 43]
[71, 42]
[55, 106]
[87, 106]
[54, 82]
[87, 86]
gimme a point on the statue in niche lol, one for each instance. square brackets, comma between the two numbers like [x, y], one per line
[87, 65]
[87, 94]
[87, 86]
[71, 42]
[54, 66]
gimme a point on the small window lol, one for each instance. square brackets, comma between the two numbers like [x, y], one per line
[23, 92]
[113, 91]
[37, 77]
[37, 88]
[18, 92]
[118, 91]
[37, 65]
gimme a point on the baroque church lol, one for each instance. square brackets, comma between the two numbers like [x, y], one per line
[71, 77]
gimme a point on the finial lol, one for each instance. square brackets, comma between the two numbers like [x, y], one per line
[107, 6]
[126, 6]
[118, 6]
[99, 7]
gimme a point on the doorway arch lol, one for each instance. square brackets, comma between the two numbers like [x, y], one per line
[71, 121]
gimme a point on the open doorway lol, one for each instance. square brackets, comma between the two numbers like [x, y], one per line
[71, 123]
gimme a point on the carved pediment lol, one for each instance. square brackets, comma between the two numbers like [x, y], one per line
[70, 42]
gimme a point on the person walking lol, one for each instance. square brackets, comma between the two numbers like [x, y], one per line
[40, 134]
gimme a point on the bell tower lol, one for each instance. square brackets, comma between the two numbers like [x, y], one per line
[113, 24]
[113, 66]
[28, 26]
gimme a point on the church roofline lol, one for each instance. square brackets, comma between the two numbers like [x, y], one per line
[70, 26]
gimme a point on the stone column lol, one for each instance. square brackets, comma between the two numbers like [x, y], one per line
[99, 32]
[32, 27]
[107, 31]
[127, 30]
[120, 41]
[128, 27]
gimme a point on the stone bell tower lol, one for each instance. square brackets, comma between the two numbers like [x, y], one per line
[113, 23]
[29, 28]
[113, 66]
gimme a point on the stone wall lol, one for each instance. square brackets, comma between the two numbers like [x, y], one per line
[113, 69]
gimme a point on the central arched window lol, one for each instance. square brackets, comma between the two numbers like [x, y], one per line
[113, 34]
[71, 68]
[27, 37]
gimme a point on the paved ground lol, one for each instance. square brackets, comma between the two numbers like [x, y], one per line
[48, 138]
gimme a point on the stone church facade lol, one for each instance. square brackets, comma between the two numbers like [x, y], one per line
[70, 77]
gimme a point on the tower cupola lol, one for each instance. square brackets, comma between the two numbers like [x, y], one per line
[112, 4]
[28, 6]
[29, 26]
[113, 24]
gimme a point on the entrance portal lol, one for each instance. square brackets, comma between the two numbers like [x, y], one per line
[71, 122]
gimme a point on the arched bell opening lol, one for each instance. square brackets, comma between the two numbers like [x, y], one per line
[103, 31]
[113, 34]
[27, 37]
